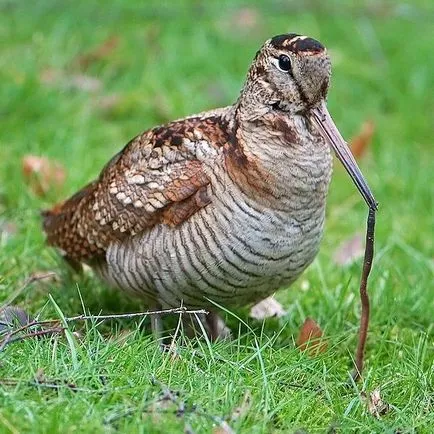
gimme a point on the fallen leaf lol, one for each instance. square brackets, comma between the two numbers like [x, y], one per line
[98, 53]
[7, 229]
[83, 82]
[12, 317]
[42, 174]
[241, 21]
[56, 78]
[243, 408]
[223, 428]
[108, 102]
[50, 76]
[78, 334]
[269, 307]
[376, 406]
[167, 401]
[42, 380]
[349, 250]
[360, 143]
[246, 18]
[310, 338]
[40, 376]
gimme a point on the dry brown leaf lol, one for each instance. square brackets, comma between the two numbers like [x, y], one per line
[349, 250]
[269, 307]
[359, 144]
[50, 76]
[223, 428]
[83, 82]
[242, 21]
[376, 406]
[246, 18]
[108, 102]
[7, 229]
[40, 376]
[167, 401]
[98, 53]
[310, 338]
[243, 408]
[57, 78]
[42, 174]
[12, 317]
[41, 379]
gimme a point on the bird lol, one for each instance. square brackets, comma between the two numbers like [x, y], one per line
[221, 208]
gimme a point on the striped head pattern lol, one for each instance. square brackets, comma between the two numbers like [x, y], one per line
[290, 72]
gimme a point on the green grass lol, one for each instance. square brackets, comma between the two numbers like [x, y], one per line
[181, 58]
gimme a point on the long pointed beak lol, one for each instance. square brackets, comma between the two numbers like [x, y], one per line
[331, 134]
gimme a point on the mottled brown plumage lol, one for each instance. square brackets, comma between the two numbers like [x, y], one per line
[154, 179]
[227, 205]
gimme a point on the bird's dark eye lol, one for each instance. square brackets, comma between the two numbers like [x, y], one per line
[284, 63]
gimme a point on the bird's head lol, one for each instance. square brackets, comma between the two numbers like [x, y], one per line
[291, 74]
[293, 71]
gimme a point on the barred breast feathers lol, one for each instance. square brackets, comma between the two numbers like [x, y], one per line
[161, 177]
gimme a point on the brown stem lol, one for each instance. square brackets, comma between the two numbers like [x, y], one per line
[9, 339]
[10, 336]
[364, 297]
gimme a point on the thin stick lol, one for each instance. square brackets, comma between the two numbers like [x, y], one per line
[364, 297]
[9, 339]
[176, 310]
[10, 336]
[38, 333]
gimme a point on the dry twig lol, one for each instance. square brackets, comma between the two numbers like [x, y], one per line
[11, 336]
[176, 310]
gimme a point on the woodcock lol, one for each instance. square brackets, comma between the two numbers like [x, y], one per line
[225, 206]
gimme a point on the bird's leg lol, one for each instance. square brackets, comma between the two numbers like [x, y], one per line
[216, 327]
[157, 323]
[210, 324]
[194, 324]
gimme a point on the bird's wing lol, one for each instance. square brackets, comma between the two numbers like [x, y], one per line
[159, 177]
